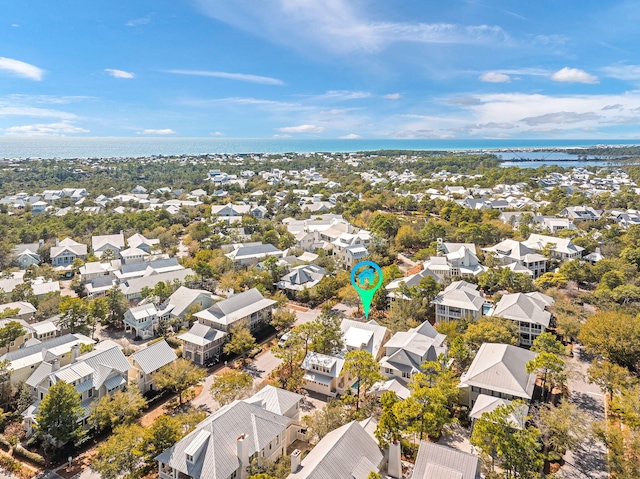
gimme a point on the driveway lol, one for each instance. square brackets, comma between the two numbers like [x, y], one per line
[261, 366]
[305, 316]
[588, 460]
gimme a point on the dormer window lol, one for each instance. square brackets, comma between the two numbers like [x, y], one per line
[189, 458]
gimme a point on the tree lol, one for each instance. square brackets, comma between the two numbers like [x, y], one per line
[241, 342]
[562, 427]
[230, 385]
[362, 366]
[10, 332]
[388, 428]
[74, 313]
[5, 384]
[328, 337]
[515, 448]
[289, 372]
[161, 435]
[424, 412]
[120, 454]
[121, 408]
[609, 376]
[552, 368]
[614, 336]
[322, 421]
[548, 343]
[491, 329]
[179, 376]
[407, 237]
[60, 413]
[282, 319]
[98, 310]
[117, 306]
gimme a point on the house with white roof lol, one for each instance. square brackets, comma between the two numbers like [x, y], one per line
[25, 310]
[249, 306]
[20, 341]
[459, 300]
[368, 336]
[279, 401]
[561, 248]
[246, 254]
[349, 249]
[456, 260]
[406, 351]
[528, 310]
[498, 370]
[435, 461]
[133, 255]
[102, 243]
[139, 241]
[226, 442]
[410, 281]
[487, 404]
[517, 253]
[95, 374]
[132, 288]
[349, 451]
[324, 375]
[65, 251]
[142, 320]
[182, 300]
[145, 362]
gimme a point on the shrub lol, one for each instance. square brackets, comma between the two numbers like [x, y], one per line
[4, 443]
[155, 340]
[173, 342]
[9, 464]
[33, 457]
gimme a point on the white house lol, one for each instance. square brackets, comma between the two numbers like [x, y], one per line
[529, 312]
[145, 362]
[459, 300]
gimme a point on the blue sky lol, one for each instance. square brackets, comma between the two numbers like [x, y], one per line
[321, 68]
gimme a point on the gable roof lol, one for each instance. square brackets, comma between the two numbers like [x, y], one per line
[201, 334]
[236, 307]
[347, 452]
[276, 400]
[360, 335]
[501, 368]
[153, 357]
[486, 404]
[441, 462]
[216, 438]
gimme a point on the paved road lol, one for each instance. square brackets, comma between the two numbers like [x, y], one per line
[588, 460]
[7, 475]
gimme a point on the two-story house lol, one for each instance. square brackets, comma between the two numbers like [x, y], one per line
[498, 370]
[67, 250]
[514, 252]
[529, 312]
[458, 300]
[102, 243]
[145, 363]
[142, 320]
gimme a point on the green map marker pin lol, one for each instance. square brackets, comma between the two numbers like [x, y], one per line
[366, 277]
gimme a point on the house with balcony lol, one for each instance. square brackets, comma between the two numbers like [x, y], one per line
[323, 374]
[511, 252]
[146, 362]
[114, 243]
[183, 300]
[224, 445]
[249, 307]
[300, 278]
[27, 255]
[368, 336]
[561, 248]
[406, 351]
[528, 310]
[96, 374]
[142, 320]
[351, 248]
[67, 250]
[498, 370]
[458, 300]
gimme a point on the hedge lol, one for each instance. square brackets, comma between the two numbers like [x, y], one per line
[33, 457]
[4, 443]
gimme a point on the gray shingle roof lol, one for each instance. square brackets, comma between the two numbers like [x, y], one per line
[154, 357]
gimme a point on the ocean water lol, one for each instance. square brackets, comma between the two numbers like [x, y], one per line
[112, 147]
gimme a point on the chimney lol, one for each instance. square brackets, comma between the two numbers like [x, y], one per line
[295, 460]
[55, 364]
[57, 242]
[75, 352]
[598, 251]
[242, 452]
[395, 463]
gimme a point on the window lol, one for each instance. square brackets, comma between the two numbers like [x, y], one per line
[406, 375]
[189, 458]
[90, 393]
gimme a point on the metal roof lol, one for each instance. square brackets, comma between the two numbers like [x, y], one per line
[153, 357]
[443, 462]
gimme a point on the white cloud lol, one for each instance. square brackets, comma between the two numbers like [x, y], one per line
[41, 129]
[622, 72]
[34, 112]
[217, 133]
[334, 111]
[343, 95]
[138, 21]
[495, 77]
[21, 69]
[281, 136]
[150, 131]
[392, 96]
[340, 26]
[574, 75]
[302, 129]
[119, 73]
[229, 76]
[350, 136]
[560, 117]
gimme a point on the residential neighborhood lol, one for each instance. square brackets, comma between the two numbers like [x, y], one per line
[223, 310]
